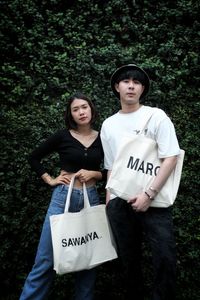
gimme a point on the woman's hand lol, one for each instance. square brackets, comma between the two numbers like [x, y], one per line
[65, 178]
[85, 175]
[61, 179]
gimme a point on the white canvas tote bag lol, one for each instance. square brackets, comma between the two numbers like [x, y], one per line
[136, 166]
[81, 240]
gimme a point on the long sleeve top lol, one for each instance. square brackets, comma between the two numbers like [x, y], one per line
[73, 155]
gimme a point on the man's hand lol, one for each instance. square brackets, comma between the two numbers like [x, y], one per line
[140, 203]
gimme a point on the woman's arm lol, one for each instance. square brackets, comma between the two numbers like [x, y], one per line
[43, 150]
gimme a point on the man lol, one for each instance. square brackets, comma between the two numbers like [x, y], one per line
[129, 220]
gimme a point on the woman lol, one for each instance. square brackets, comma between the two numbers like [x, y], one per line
[80, 152]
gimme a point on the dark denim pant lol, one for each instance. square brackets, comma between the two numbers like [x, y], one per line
[128, 227]
[40, 278]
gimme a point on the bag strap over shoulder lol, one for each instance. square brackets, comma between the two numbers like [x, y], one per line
[146, 119]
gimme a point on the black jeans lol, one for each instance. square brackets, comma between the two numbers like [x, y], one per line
[128, 227]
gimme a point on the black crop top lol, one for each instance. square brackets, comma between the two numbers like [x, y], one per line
[72, 153]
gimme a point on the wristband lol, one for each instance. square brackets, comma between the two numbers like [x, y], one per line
[150, 197]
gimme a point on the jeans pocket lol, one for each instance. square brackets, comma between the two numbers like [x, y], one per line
[58, 200]
[93, 196]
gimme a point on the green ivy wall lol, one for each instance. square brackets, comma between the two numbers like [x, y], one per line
[51, 48]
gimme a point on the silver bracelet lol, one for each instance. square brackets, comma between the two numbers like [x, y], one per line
[153, 190]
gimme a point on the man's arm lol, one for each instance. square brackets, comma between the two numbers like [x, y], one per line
[142, 201]
[107, 192]
[166, 168]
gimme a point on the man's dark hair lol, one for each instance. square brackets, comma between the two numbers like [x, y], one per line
[134, 74]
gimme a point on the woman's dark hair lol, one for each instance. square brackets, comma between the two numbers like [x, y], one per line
[135, 74]
[69, 121]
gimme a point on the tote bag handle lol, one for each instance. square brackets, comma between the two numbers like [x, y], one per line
[146, 119]
[85, 195]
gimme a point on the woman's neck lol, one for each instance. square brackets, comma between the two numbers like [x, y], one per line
[84, 131]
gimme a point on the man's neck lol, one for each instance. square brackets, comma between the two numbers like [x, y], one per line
[130, 108]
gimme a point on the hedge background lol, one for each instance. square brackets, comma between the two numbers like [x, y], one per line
[51, 48]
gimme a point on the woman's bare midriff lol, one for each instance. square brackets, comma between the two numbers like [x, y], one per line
[77, 183]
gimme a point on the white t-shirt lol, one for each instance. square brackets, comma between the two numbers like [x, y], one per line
[160, 128]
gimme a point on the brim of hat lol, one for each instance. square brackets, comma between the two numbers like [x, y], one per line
[125, 68]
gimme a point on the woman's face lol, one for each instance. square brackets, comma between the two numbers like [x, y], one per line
[81, 112]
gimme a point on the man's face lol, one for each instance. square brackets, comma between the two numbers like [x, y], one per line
[130, 91]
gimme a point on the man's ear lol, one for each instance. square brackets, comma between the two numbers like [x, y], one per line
[143, 87]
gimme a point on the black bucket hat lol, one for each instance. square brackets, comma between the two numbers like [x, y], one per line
[125, 68]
